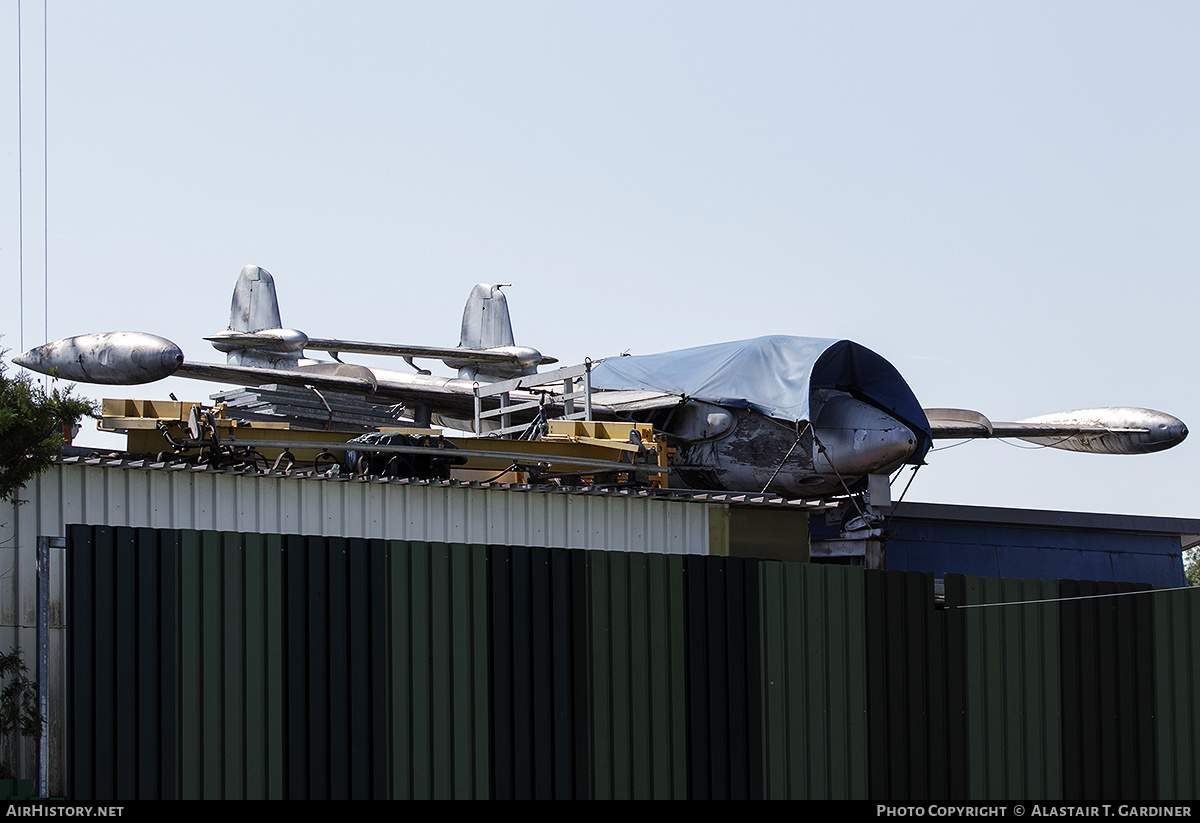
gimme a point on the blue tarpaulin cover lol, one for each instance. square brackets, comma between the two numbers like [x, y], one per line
[773, 375]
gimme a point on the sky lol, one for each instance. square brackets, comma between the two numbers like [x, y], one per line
[1002, 199]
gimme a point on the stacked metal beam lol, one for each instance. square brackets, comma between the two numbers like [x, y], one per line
[306, 408]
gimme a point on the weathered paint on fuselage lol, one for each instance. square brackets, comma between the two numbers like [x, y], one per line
[850, 440]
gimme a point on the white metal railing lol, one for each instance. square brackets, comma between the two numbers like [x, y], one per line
[569, 398]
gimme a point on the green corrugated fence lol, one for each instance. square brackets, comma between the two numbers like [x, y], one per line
[220, 665]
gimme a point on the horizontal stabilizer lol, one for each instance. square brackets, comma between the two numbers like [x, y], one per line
[515, 357]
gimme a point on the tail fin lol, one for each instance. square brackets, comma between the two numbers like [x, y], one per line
[485, 325]
[485, 322]
[254, 308]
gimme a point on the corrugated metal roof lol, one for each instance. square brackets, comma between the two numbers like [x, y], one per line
[118, 491]
[683, 495]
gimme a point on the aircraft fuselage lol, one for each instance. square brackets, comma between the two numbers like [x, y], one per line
[753, 452]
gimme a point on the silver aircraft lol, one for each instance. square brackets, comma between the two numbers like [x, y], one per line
[791, 416]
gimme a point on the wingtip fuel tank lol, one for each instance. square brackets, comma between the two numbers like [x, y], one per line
[1123, 430]
[112, 358]
[1112, 430]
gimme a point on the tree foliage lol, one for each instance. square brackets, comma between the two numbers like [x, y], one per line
[18, 708]
[31, 424]
[1191, 566]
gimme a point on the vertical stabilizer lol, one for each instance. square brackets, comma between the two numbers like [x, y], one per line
[485, 322]
[485, 325]
[254, 308]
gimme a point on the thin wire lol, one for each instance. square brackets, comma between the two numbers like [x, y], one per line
[850, 494]
[939, 447]
[895, 506]
[774, 474]
[1006, 441]
[1081, 597]
[45, 171]
[20, 185]
[1035, 446]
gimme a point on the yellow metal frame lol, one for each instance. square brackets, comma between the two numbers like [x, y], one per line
[610, 434]
[139, 420]
[601, 441]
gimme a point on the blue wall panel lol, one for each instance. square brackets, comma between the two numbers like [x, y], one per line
[1029, 544]
[1033, 552]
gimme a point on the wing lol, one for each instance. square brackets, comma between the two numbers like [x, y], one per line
[128, 358]
[1115, 430]
[440, 394]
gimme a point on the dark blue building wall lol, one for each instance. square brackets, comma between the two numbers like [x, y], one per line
[1040, 545]
[988, 550]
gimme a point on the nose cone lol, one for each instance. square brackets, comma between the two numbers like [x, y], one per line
[856, 439]
[110, 358]
[1169, 431]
